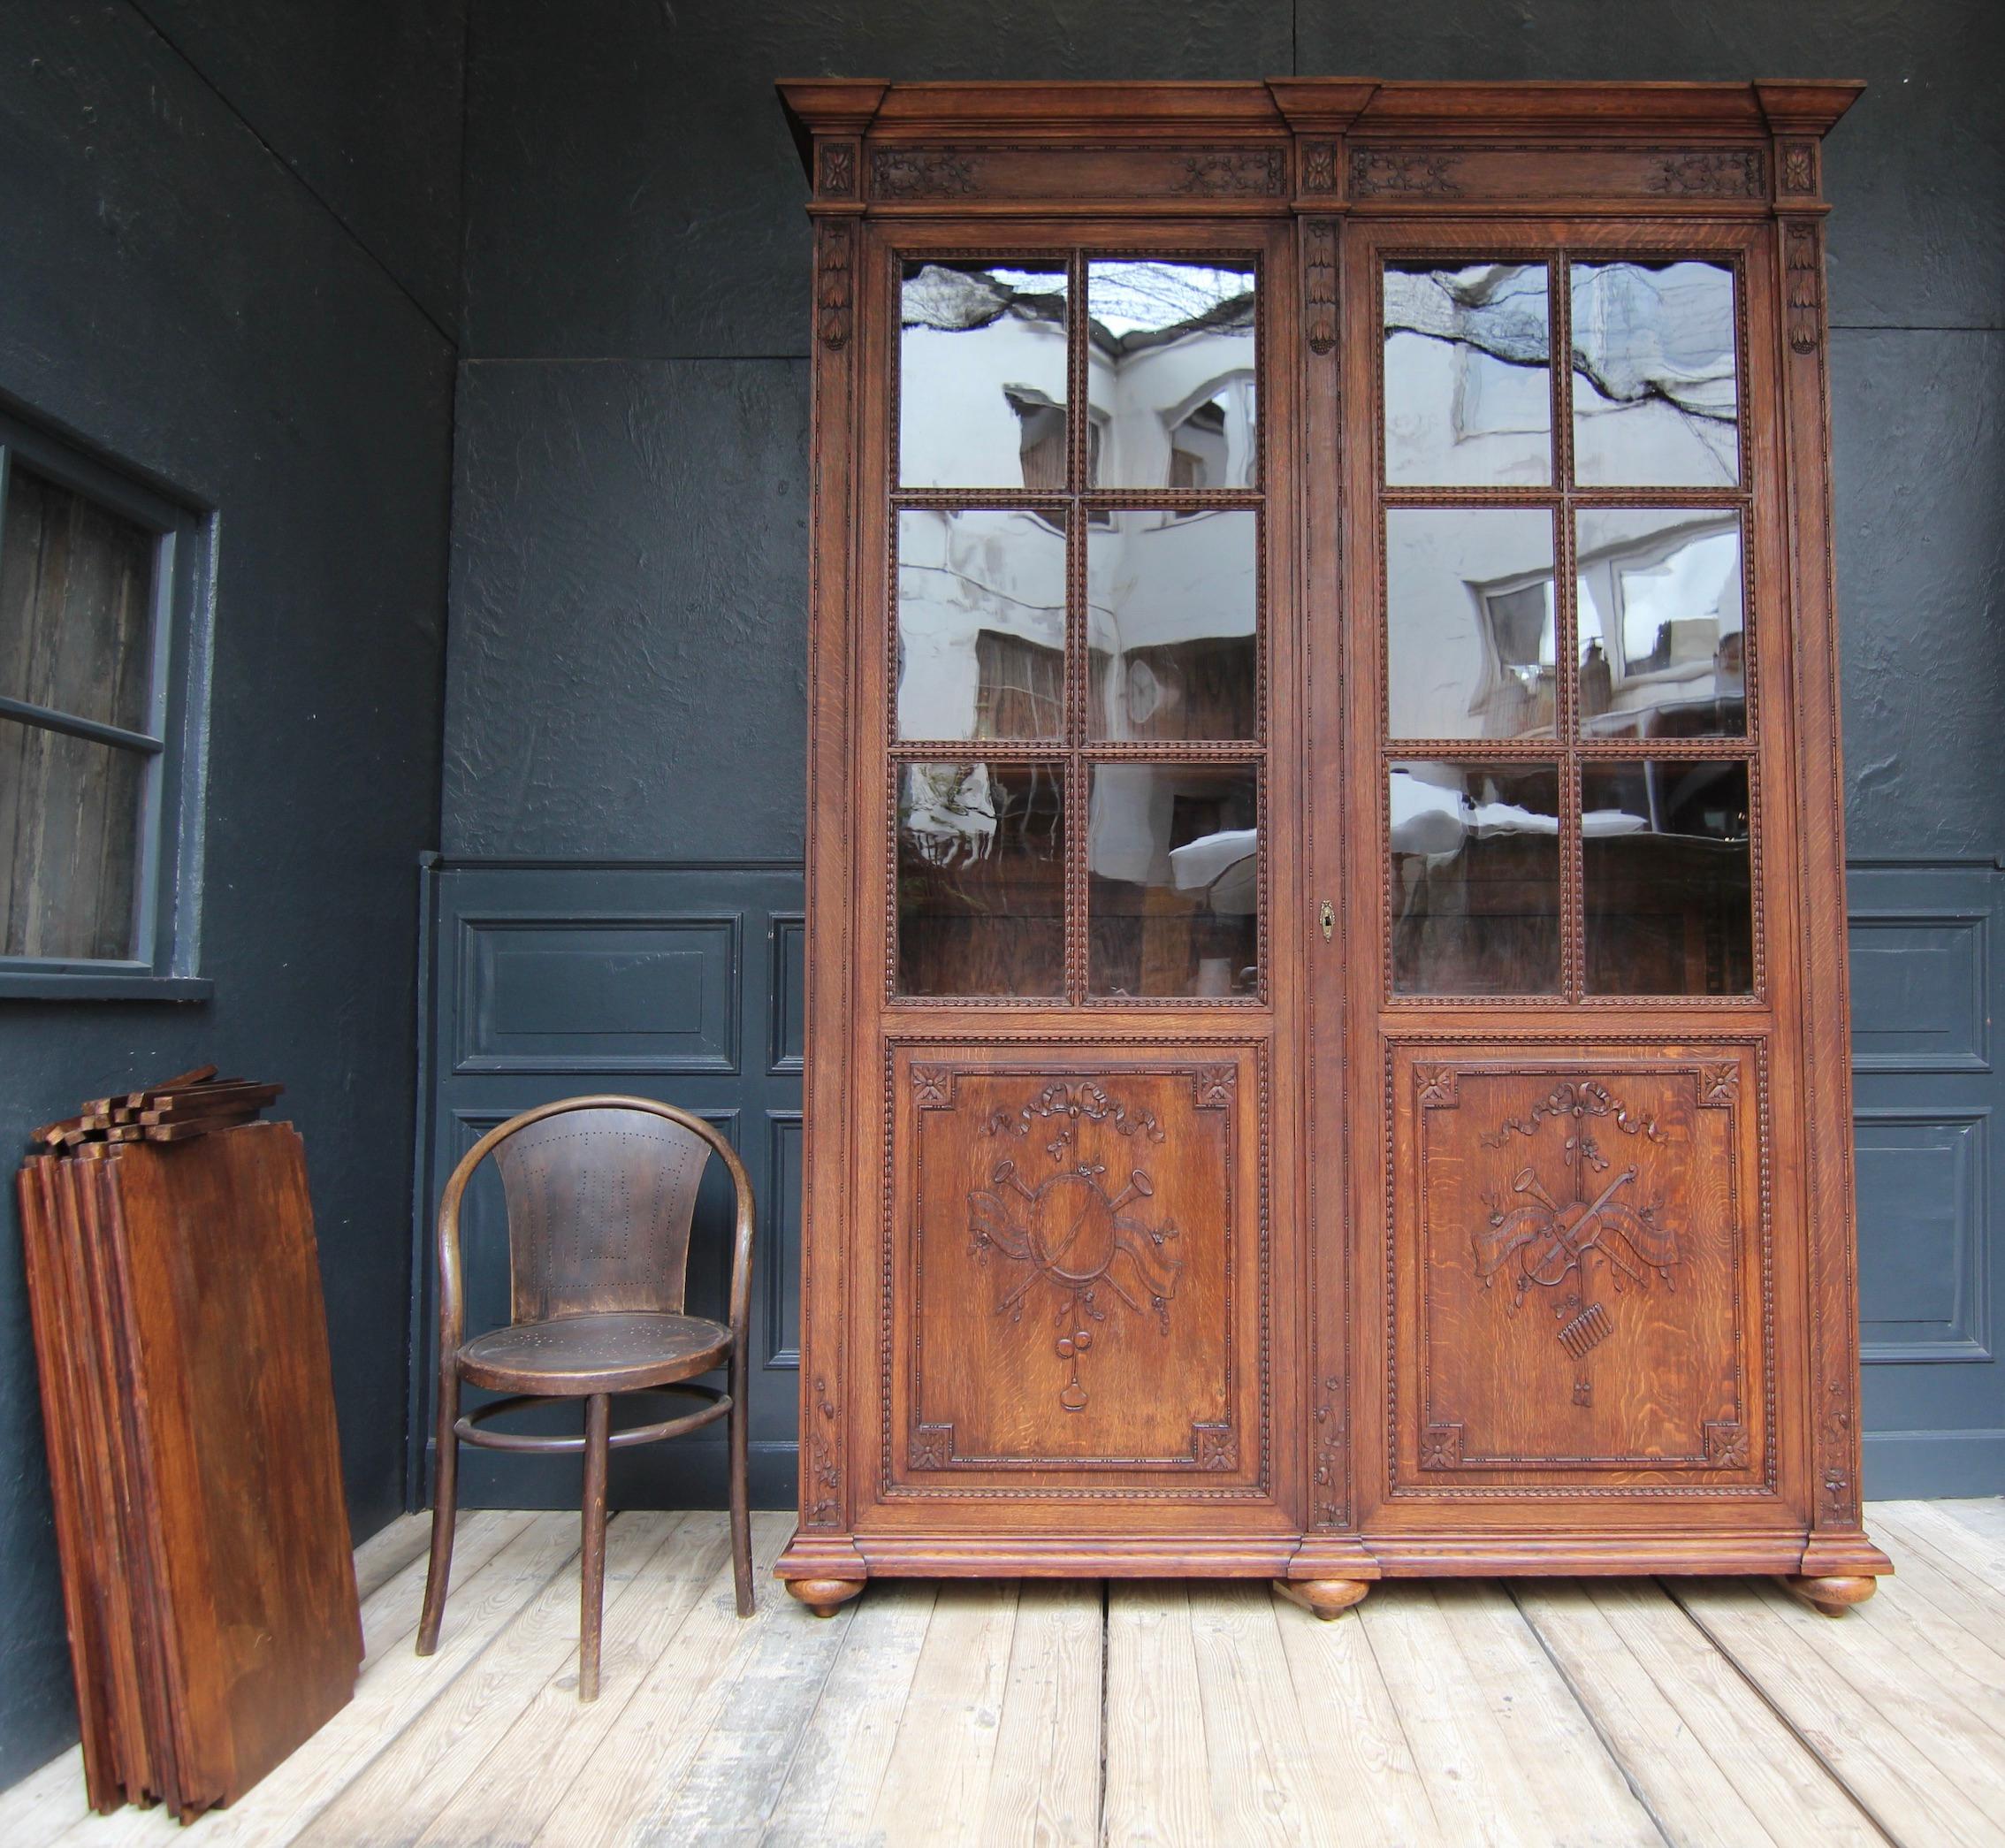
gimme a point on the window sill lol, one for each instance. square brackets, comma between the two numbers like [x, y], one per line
[80, 985]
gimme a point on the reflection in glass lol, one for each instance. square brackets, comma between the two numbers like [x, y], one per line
[1475, 878]
[1471, 644]
[1655, 399]
[981, 879]
[981, 378]
[1468, 389]
[1170, 615]
[1173, 886]
[1661, 625]
[1665, 864]
[981, 625]
[1169, 375]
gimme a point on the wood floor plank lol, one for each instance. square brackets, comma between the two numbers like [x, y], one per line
[1712, 1761]
[45, 1802]
[395, 1685]
[1922, 1571]
[1984, 1515]
[1364, 1765]
[390, 1549]
[1157, 1793]
[1477, 1792]
[639, 1761]
[513, 1789]
[739, 1767]
[420, 1772]
[1973, 1552]
[1263, 1781]
[1870, 1736]
[1578, 1790]
[1044, 1791]
[937, 1781]
[832, 1785]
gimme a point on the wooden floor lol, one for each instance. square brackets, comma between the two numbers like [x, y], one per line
[1610, 1711]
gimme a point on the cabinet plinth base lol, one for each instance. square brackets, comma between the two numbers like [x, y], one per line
[825, 1596]
[1324, 1597]
[1834, 1596]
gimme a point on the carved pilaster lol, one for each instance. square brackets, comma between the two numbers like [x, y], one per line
[1319, 282]
[835, 267]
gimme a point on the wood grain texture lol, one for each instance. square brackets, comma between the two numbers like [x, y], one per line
[1618, 1339]
[1610, 1710]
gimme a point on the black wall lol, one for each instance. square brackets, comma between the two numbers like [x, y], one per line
[231, 246]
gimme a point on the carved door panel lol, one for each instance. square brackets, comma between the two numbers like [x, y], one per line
[1074, 1273]
[1582, 1270]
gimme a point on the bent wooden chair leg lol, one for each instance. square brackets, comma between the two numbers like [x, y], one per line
[592, 1575]
[741, 1508]
[445, 1512]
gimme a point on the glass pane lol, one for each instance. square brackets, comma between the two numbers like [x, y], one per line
[1664, 853]
[1169, 375]
[1471, 639]
[981, 625]
[1476, 879]
[1468, 386]
[981, 879]
[981, 378]
[1173, 886]
[76, 588]
[1660, 615]
[69, 843]
[1655, 399]
[1170, 601]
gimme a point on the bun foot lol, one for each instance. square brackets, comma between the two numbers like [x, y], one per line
[825, 1596]
[1324, 1597]
[1832, 1596]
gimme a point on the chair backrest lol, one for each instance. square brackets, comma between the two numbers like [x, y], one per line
[600, 1204]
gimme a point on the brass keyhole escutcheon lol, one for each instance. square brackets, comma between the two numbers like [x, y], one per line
[1328, 920]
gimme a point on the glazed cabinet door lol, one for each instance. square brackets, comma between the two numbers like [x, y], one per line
[1569, 768]
[1076, 996]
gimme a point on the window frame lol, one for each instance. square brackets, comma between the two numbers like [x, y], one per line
[167, 872]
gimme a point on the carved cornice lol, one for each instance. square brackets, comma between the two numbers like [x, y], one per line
[1712, 173]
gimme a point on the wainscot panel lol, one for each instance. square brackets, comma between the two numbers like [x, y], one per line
[677, 982]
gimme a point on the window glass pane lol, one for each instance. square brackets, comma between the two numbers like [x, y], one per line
[1660, 617]
[1471, 641]
[1173, 891]
[981, 377]
[1171, 375]
[1468, 386]
[69, 843]
[1665, 863]
[981, 625]
[76, 586]
[1655, 399]
[1170, 602]
[981, 879]
[1475, 878]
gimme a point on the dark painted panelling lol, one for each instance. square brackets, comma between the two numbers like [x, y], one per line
[1926, 984]
[173, 293]
[594, 994]
[788, 1047]
[631, 186]
[630, 592]
[1918, 433]
[362, 100]
[744, 914]
[1918, 168]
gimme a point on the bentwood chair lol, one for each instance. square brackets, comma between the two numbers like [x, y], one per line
[599, 1192]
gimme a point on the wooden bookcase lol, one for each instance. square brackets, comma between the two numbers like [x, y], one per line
[1328, 1047]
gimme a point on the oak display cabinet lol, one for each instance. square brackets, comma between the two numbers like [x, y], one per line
[1328, 1050]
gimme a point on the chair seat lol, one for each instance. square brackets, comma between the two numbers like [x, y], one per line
[624, 1352]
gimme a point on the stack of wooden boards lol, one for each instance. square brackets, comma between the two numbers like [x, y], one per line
[175, 1110]
[208, 1580]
